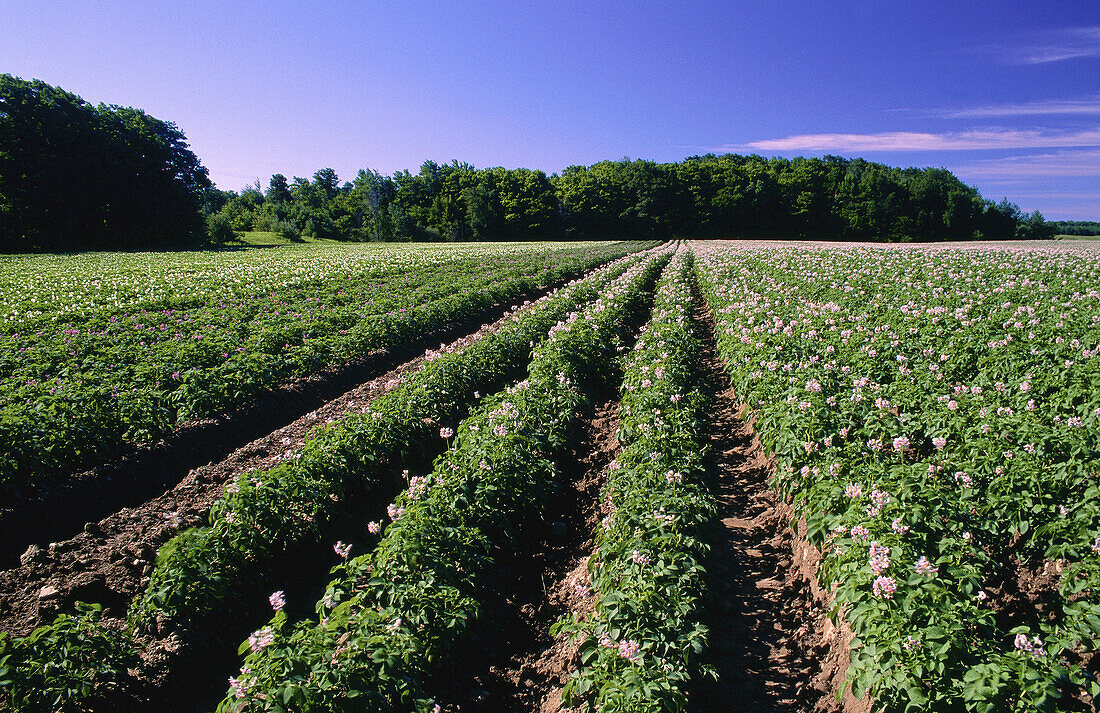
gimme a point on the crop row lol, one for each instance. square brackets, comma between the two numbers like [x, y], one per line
[37, 291]
[935, 423]
[263, 513]
[79, 390]
[641, 644]
[390, 615]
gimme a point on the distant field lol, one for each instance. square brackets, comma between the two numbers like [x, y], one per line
[102, 349]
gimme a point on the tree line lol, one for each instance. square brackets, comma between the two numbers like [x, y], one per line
[1075, 227]
[707, 196]
[454, 202]
[75, 176]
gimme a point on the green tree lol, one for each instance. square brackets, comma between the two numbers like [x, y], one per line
[277, 189]
[478, 200]
[74, 176]
[1033, 227]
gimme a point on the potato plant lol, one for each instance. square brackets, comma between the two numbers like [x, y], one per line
[112, 351]
[642, 643]
[935, 419]
[389, 615]
[263, 513]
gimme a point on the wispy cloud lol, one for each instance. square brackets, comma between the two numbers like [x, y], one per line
[1060, 163]
[1090, 105]
[1052, 46]
[919, 141]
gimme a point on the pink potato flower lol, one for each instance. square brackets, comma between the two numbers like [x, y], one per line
[925, 567]
[630, 650]
[884, 587]
[260, 639]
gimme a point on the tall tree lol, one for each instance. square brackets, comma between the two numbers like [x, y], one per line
[74, 176]
[277, 189]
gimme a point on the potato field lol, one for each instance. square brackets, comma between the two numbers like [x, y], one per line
[696, 476]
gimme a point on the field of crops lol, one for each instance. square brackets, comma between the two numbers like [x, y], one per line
[101, 352]
[935, 420]
[535, 517]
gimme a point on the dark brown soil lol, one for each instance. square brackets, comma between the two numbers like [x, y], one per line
[109, 561]
[770, 637]
[1023, 593]
[836, 637]
[519, 666]
[60, 508]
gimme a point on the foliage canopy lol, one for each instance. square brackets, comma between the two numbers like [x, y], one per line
[77, 176]
[703, 196]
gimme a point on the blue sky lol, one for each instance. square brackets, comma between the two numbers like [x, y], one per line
[1005, 94]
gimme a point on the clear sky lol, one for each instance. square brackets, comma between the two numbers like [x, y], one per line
[1006, 94]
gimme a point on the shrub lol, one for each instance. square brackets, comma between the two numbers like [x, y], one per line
[219, 230]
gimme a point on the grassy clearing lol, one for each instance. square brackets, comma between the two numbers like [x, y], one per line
[266, 239]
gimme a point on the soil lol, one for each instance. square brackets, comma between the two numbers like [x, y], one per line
[109, 561]
[1023, 593]
[519, 666]
[59, 508]
[771, 641]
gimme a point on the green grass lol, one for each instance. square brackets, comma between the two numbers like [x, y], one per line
[264, 239]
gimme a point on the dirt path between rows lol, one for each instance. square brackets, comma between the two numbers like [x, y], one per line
[519, 666]
[514, 664]
[110, 560]
[771, 641]
[61, 508]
